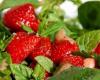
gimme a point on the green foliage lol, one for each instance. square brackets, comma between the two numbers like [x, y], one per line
[39, 72]
[88, 41]
[27, 29]
[21, 72]
[5, 56]
[5, 74]
[45, 62]
[11, 3]
[5, 36]
[89, 15]
[76, 73]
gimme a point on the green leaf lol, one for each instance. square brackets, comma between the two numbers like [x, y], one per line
[78, 2]
[11, 3]
[52, 11]
[6, 56]
[5, 36]
[97, 58]
[3, 28]
[4, 40]
[45, 62]
[82, 53]
[89, 40]
[5, 75]
[76, 73]
[39, 72]
[89, 15]
[54, 27]
[21, 72]
[27, 29]
[42, 25]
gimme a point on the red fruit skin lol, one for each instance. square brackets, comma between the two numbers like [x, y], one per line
[74, 60]
[21, 15]
[61, 49]
[43, 48]
[97, 49]
[47, 75]
[21, 46]
[33, 64]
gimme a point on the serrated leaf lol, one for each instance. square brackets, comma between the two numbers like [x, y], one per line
[88, 41]
[39, 72]
[21, 72]
[45, 62]
[76, 73]
[11, 3]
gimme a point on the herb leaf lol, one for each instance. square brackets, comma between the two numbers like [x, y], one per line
[45, 62]
[76, 73]
[21, 72]
[39, 72]
[89, 40]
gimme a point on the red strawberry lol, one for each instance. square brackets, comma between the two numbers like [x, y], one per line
[33, 64]
[74, 60]
[42, 48]
[97, 49]
[47, 75]
[21, 15]
[21, 46]
[63, 48]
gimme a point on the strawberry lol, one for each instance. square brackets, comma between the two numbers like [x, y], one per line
[47, 75]
[21, 15]
[97, 49]
[43, 48]
[63, 48]
[33, 64]
[21, 46]
[74, 60]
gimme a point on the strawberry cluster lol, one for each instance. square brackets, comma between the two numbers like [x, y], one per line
[24, 45]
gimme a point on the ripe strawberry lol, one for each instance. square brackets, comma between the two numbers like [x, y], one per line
[21, 46]
[97, 49]
[42, 48]
[63, 48]
[21, 15]
[74, 60]
[33, 64]
[47, 75]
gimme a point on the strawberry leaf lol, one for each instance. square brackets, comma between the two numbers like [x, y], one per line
[76, 73]
[89, 40]
[45, 62]
[21, 72]
[39, 72]
[11, 3]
